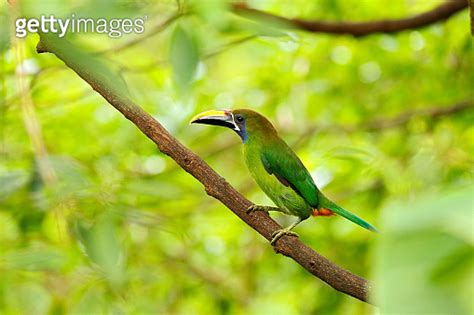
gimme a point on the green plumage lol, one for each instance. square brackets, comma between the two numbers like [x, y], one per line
[281, 174]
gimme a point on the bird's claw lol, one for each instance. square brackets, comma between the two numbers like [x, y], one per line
[279, 233]
[254, 208]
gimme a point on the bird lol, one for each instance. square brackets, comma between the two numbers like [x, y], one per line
[277, 170]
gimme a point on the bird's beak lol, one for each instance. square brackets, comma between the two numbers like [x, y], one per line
[223, 118]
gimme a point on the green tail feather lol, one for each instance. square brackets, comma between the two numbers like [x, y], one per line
[328, 204]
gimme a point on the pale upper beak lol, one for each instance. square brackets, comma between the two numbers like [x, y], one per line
[223, 118]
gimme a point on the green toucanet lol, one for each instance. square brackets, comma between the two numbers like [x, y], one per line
[276, 169]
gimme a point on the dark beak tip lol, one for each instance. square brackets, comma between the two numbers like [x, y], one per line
[195, 121]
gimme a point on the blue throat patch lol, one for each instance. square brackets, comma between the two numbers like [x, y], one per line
[243, 133]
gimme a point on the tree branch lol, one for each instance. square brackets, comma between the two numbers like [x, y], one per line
[215, 186]
[403, 118]
[357, 29]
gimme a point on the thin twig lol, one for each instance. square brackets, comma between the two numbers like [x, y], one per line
[380, 124]
[404, 118]
[227, 46]
[155, 30]
[357, 29]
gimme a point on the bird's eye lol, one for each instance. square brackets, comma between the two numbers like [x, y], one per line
[240, 118]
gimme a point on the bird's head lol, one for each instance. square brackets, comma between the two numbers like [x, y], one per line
[244, 122]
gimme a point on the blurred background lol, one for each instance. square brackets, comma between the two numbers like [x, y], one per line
[93, 219]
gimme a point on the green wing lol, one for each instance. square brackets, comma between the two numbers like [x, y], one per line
[282, 162]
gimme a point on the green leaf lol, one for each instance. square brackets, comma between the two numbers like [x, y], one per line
[11, 182]
[35, 258]
[103, 247]
[184, 57]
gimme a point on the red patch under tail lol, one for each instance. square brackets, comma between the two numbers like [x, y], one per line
[322, 212]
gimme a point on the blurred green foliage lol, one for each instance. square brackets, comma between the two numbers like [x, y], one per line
[424, 258]
[119, 228]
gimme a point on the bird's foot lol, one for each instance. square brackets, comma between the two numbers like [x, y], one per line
[265, 209]
[279, 233]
